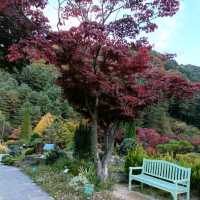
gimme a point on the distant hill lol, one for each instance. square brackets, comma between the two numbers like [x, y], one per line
[189, 71]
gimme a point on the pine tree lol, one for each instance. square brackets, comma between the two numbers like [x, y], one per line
[26, 124]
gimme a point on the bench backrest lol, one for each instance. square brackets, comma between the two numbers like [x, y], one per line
[165, 170]
[48, 147]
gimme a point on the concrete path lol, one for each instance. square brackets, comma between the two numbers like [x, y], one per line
[14, 185]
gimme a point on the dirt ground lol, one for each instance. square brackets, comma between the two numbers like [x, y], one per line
[121, 192]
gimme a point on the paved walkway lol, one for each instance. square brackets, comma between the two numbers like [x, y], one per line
[14, 185]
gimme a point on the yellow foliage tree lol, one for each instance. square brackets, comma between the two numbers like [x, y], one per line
[44, 123]
[3, 148]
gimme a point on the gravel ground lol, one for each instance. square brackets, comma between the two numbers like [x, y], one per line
[121, 191]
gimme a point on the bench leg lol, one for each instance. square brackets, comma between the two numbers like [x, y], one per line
[175, 196]
[129, 185]
[188, 195]
[142, 186]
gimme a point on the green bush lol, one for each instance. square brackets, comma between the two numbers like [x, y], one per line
[29, 151]
[61, 132]
[60, 164]
[8, 160]
[135, 158]
[89, 171]
[34, 136]
[51, 157]
[175, 147]
[157, 117]
[126, 145]
[15, 149]
[129, 129]
[82, 141]
[78, 182]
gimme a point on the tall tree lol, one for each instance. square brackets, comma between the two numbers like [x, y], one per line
[106, 70]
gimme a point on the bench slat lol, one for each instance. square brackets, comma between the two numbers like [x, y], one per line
[164, 175]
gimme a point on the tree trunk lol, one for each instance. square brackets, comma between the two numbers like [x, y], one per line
[94, 141]
[102, 170]
[103, 163]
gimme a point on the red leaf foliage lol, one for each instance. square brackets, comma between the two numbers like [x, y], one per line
[150, 138]
[106, 72]
[20, 20]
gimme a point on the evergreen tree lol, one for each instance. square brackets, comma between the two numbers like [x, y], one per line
[26, 124]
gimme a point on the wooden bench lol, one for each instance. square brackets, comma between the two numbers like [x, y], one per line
[163, 175]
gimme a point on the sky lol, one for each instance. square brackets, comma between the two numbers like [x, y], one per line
[179, 34]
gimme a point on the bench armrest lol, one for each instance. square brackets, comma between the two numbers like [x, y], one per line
[134, 168]
[183, 181]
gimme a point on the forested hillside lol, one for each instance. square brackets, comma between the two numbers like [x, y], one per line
[188, 111]
[33, 86]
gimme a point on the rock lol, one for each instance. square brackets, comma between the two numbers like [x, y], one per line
[116, 160]
[65, 171]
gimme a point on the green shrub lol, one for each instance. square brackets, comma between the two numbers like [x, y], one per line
[89, 171]
[51, 157]
[8, 160]
[126, 145]
[167, 156]
[34, 137]
[82, 141]
[61, 132]
[175, 147]
[60, 164]
[15, 148]
[129, 129]
[78, 182]
[135, 158]
[29, 151]
[157, 117]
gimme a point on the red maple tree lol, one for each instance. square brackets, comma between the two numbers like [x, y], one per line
[106, 68]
